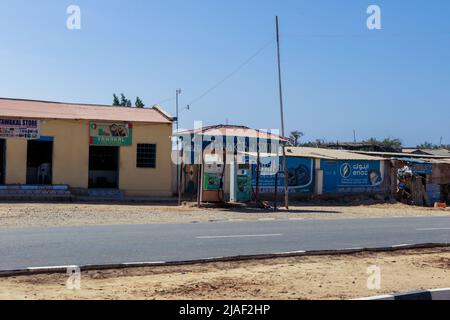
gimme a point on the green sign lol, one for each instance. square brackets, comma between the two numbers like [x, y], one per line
[212, 181]
[111, 134]
[244, 192]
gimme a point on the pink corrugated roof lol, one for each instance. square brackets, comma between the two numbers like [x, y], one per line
[232, 130]
[16, 108]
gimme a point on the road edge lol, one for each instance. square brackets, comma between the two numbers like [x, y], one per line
[423, 295]
[99, 267]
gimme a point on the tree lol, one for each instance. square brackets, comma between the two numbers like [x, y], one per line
[139, 103]
[392, 143]
[295, 137]
[116, 101]
[124, 102]
[427, 145]
[372, 141]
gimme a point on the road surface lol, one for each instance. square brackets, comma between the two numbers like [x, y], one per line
[39, 247]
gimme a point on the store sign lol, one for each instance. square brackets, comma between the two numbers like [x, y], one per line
[111, 134]
[20, 128]
[351, 176]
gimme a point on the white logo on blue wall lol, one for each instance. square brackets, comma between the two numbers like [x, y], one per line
[346, 170]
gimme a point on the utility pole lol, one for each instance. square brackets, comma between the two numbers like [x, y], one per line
[179, 174]
[280, 87]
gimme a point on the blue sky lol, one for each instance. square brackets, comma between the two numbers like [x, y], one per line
[338, 75]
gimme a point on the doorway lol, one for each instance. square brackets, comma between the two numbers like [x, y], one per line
[39, 162]
[2, 160]
[103, 167]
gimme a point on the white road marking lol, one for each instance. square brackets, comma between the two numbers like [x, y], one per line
[50, 268]
[142, 263]
[401, 245]
[290, 252]
[241, 236]
[431, 229]
[267, 219]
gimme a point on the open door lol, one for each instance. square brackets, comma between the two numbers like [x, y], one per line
[103, 167]
[39, 162]
[2, 160]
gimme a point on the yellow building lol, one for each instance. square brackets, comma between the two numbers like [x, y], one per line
[85, 147]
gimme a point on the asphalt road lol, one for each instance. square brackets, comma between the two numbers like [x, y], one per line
[38, 247]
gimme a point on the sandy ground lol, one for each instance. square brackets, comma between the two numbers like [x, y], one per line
[53, 215]
[306, 278]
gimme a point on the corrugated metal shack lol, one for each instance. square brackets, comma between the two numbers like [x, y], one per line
[418, 178]
[328, 173]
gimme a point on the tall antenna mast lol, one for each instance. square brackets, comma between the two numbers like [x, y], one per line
[280, 87]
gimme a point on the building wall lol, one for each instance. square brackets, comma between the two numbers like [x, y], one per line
[143, 182]
[353, 176]
[301, 171]
[331, 181]
[71, 158]
[16, 161]
[70, 151]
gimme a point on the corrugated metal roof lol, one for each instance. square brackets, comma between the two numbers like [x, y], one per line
[437, 152]
[16, 108]
[399, 154]
[329, 154]
[439, 161]
[232, 131]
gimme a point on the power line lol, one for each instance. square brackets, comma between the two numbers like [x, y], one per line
[241, 66]
[165, 100]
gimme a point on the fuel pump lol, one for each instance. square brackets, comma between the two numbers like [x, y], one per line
[244, 183]
[213, 177]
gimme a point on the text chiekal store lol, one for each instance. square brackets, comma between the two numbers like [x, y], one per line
[85, 147]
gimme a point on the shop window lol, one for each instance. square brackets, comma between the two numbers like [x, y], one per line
[146, 156]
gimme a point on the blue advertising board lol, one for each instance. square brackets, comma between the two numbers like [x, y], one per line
[300, 176]
[351, 176]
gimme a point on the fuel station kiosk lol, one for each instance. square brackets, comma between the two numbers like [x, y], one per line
[217, 162]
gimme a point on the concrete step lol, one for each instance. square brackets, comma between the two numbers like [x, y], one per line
[105, 194]
[25, 192]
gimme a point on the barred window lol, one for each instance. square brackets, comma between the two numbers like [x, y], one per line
[146, 156]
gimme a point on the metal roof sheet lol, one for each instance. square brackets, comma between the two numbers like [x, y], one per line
[329, 154]
[16, 108]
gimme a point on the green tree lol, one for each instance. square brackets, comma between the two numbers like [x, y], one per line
[295, 137]
[139, 103]
[427, 145]
[124, 102]
[116, 101]
[372, 141]
[392, 143]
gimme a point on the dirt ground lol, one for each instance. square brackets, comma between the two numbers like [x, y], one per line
[305, 278]
[53, 215]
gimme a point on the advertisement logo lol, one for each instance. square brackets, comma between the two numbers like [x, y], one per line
[346, 170]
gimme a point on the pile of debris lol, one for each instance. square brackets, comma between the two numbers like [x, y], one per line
[412, 188]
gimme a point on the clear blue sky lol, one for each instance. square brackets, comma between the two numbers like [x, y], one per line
[338, 75]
